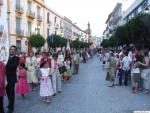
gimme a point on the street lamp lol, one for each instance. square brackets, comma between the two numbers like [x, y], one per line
[37, 30]
[146, 10]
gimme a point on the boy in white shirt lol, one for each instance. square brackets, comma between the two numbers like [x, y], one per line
[126, 66]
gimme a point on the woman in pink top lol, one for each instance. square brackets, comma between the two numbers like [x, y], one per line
[2, 85]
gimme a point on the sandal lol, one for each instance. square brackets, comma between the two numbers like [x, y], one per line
[48, 101]
[146, 91]
[44, 100]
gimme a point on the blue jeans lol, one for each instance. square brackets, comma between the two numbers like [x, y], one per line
[120, 76]
[126, 76]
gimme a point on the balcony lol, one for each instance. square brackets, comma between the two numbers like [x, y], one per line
[29, 0]
[61, 27]
[56, 26]
[29, 33]
[31, 14]
[19, 32]
[19, 9]
[49, 23]
[1, 2]
[39, 18]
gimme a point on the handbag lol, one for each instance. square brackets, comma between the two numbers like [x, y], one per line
[144, 76]
[62, 69]
[136, 70]
[107, 76]
[107, 65]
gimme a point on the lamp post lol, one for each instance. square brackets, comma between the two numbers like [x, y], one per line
[146, 18]
[37, 30]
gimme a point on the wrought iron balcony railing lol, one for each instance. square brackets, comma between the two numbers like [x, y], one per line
[19, 32]
[19, 9]
[31, 14]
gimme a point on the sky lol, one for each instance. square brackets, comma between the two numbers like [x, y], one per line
[83, 11]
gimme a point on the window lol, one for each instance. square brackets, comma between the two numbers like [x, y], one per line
[47, 32]
[18, 25]
[38, 29]
[55, 32]
[18, 45]
[61, 24]
[47, 17]
[29, 27]
[135, 12]
[38, 11]
[18, 3]
[55, 19]
[29, 6]
[144, 4]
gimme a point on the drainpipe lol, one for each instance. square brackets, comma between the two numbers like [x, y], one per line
[8, 19]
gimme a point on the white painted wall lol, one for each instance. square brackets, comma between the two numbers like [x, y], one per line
[4, 39]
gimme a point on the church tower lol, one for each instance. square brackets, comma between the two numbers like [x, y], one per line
[89, 32]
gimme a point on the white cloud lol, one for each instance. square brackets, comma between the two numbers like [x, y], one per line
[82, 11]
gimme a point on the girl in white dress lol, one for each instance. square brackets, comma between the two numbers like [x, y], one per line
[46, 89]
[31, 68]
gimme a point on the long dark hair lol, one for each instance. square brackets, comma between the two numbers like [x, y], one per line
[42, 64]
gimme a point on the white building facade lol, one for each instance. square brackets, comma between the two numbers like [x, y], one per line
[4, 38]
[53, 22]
[113, 21]
[27, 17]
[138, 6]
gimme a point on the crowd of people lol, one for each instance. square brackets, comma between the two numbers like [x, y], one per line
[127, 66]
[23, 74]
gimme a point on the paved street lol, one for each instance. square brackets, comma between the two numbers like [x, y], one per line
[86, 93]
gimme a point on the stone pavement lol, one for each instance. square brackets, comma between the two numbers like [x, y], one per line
[86, 93]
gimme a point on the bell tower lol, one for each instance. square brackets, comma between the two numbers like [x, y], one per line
[89, 32]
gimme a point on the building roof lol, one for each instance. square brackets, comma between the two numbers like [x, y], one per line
[134, 5]
[54, 12]
[113, 12]
[108, 18]
[119, 5]
[74, 25]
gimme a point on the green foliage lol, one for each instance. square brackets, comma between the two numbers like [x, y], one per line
[56, 41]
[78, 44]
[37, 41]
[122, 35]
[133, 32]
[105, 43]
[113, 41]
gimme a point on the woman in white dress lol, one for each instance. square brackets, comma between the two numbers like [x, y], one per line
[46, 89]
[31, 69]
[56, 77]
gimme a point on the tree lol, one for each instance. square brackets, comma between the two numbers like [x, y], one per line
[56, 41]
[138, 32]
[105, 43]
[37, 41]
[112, 41]
[79, 44]
[122, 35]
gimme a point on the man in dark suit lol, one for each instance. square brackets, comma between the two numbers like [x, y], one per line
[11, 74]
